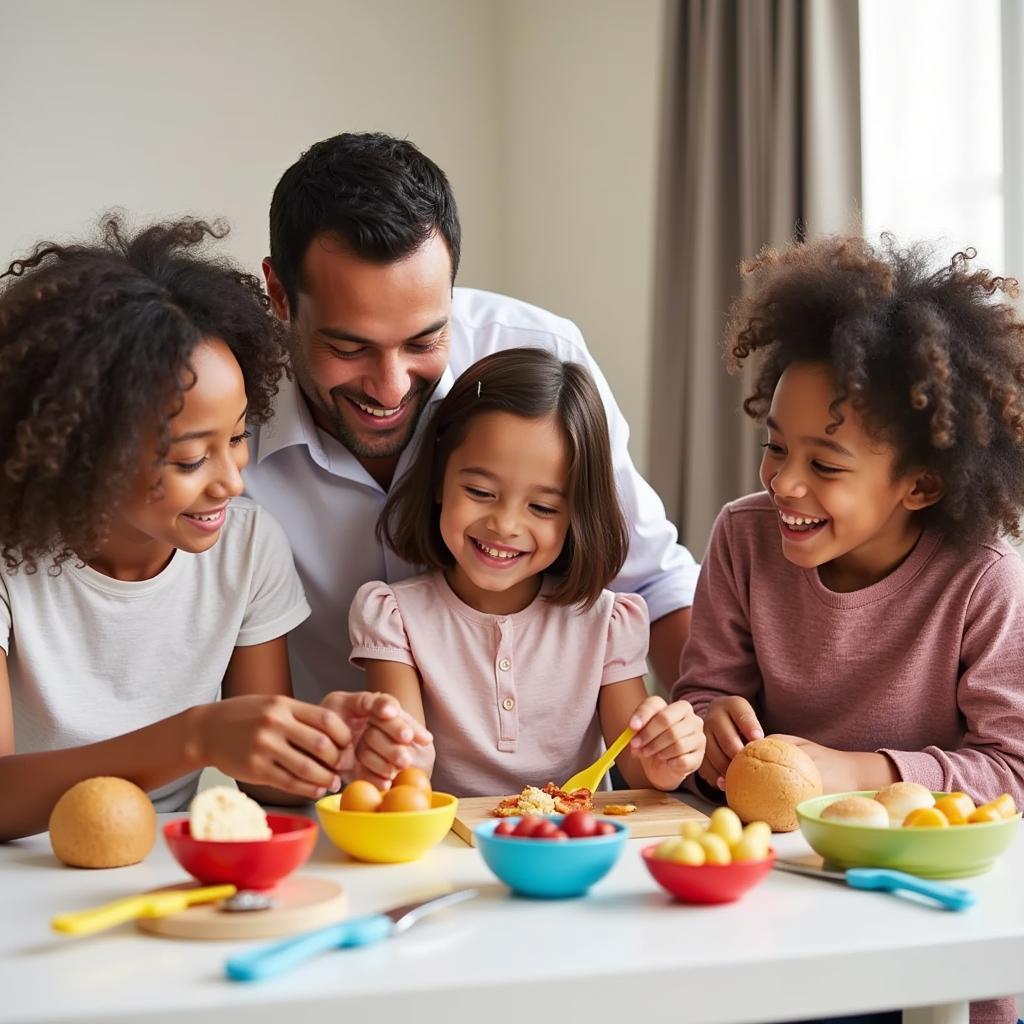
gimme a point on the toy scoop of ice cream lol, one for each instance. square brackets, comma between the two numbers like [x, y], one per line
[767, 779]
[224, 813]
[103, 822]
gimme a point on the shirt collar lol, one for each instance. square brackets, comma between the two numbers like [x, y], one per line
[291, 423]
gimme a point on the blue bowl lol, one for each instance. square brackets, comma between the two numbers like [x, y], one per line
[545, 868]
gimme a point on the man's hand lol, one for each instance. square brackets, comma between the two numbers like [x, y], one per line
[729, 726]
[669, 741]
[382, 735]
[845, 771]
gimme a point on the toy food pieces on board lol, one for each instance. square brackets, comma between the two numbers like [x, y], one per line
[767, 779]
[103, 822]
[549, 800]
[223, 813]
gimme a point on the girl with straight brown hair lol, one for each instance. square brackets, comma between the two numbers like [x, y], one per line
[509, 647]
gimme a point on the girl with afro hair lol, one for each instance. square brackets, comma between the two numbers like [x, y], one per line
[136, 586]
[865, 604]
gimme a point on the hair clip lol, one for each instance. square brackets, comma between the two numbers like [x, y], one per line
[478, 386]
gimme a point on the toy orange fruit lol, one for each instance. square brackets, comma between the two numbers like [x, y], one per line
[957, 807]
[926, 817]
[1005, 805]
[413, 777]
[360, 796]
[405, 798]
[986, 812]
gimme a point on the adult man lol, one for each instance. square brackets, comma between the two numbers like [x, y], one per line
[364, 249]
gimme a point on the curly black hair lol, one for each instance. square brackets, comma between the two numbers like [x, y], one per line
[931, 360]
[95, 343]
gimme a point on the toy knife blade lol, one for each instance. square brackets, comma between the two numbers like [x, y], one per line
[279, 957]
[950, 897]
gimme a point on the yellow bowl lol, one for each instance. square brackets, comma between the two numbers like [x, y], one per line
[387, 837]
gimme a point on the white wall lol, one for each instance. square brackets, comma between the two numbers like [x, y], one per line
[199, 106]
[542, 112]
[580, 115]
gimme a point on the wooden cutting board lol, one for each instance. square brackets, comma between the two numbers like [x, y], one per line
[300, 903]
[656, 814]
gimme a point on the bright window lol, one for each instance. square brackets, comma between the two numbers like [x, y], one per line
[932, 125]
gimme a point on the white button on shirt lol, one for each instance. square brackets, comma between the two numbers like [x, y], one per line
[504, 664]
[329, 505]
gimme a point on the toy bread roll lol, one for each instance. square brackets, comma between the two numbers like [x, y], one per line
[900, 798]
[103, 822]
[767, 779]
[857, 810]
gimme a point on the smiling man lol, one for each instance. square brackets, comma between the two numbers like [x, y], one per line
[364, 250]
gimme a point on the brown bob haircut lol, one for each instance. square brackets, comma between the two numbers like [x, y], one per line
[531, 383]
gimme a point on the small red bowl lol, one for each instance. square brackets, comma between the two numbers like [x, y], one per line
[249, 864]
[706, 883]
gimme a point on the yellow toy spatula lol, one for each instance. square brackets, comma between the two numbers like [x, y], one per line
[590, 778]
[150, 904]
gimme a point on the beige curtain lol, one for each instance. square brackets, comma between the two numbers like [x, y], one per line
[762, 145]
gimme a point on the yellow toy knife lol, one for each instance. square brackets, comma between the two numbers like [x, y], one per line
[150, 904]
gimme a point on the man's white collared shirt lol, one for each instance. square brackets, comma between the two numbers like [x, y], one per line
[329, 505]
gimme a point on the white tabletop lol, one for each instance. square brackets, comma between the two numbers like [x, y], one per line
[792, 948]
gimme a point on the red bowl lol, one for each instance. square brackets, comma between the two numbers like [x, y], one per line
[249, 864]
[706, 883]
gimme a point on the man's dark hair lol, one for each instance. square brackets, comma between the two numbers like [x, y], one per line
[931, 360]
[531, 383]
[96, 340]
[379, 195]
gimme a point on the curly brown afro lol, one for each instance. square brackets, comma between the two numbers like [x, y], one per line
[95, 343]
[931, 360]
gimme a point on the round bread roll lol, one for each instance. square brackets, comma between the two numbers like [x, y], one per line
[104, 822]
[767, 779]
[900, 798]
[857, 810]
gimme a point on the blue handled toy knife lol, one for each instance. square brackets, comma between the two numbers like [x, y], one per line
[951, 897]
[278, 957]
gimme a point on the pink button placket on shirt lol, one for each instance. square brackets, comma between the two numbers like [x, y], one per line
[505, 687]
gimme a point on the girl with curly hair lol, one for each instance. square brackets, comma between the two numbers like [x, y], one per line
[137, 586]
[865, 604]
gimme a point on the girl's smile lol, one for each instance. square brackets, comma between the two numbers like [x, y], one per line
[504, 509]
[841, 509]
[183, 505]
[798, 526]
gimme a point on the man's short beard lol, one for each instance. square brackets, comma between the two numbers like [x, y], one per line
[383, 446]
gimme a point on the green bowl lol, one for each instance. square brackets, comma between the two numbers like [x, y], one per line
[954, 852]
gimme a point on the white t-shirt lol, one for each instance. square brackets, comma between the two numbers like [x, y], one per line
[91, 657]
[329, 505]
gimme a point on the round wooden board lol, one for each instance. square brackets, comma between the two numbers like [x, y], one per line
[300, 904]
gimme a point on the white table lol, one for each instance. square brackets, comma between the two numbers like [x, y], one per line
[792, 948]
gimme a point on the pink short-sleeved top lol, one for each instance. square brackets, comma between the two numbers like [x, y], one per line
[510, 699]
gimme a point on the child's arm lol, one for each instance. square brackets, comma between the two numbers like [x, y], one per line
[377, 761]
[669, 740]
[720, 676]
[249, 737]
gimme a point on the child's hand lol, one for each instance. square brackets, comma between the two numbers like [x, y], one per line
[845, 771]
[383, 735]
[669, 741]
[274, 741]
[729, 725]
